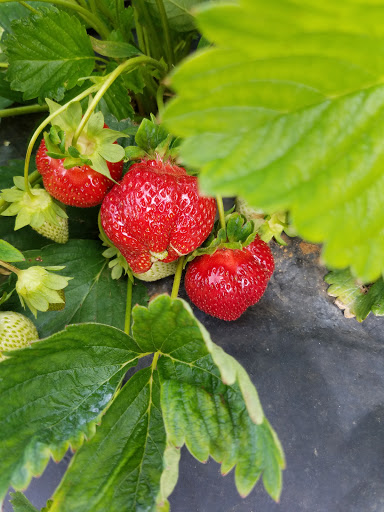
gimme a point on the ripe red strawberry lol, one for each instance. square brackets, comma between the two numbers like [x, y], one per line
[78, 186]
[156, 213]
[224, 284]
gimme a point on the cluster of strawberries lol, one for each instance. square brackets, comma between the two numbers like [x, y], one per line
[156, 214]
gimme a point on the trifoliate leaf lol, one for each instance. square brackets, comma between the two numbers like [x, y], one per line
[125, 457]
[48, 53]
[9, 253]
[284, 112]
[208, 401]
[354, 298]
[88, 361]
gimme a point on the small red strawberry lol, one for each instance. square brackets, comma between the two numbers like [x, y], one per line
[224, 284]
[79, 174]
[78, 186]
[156, 213]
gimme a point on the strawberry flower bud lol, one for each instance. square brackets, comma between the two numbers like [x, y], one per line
[38, 210]
[37, 288]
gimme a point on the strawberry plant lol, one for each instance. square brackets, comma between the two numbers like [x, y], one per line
[152, 110]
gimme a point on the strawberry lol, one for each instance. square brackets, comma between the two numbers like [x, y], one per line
[16, 331]
[78, 186]
[79, 172]
[224, 284]
[158, 270]
[156, 213]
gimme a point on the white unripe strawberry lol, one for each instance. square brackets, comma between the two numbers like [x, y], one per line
[16, 331]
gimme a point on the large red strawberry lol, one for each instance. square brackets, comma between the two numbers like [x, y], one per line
[224, 284]
[156, 213]
[78, 186]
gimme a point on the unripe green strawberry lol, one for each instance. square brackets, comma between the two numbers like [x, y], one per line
[159, 270]
[57, 233]
[16, 331]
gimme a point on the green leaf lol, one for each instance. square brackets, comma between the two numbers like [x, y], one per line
[208, 401]
[180, 17]
[114, 49]
[284, 111]
[150, 135]
[21, 504]
[48, 53]
[9, 253]
[53, 394]
[352, 297]
[86, 293]
[121, 467]
[7, 93]
[15, 11]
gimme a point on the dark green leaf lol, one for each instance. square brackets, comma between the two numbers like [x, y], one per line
[21, 504]
[91, 296]
[48, 52]
[15, 11]
[284, 112]
[7, 93]
[9, 253]
[150, 135]
[121, 467]
[208, 401]
[114, 49]
[53, 394]
[180, 17]
[372, 301]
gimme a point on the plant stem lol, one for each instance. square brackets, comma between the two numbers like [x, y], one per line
[128, 65]
[87, 15]
[41, 127]
[4, 65]
[139, 31]
[167, 33]
[9, 267]
[154, 361]
[160, 98]
[220, 207]
[128, 307]
[177, 278]
[27, 6]
[26, 109]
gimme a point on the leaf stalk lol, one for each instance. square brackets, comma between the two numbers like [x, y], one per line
[177, 278]
[128, 307]
[10, 267]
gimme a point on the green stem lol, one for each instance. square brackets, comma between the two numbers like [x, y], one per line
[83, 3]
[41, 127]
[139, 31]
[167, 33]
[128, 65]
[9, 267]
[27, 6]
[220, 207]
[87, 15]
[160, 98]
[154, 361]
[177, 278]
[26, 109]
[4, 64]
[128, 307]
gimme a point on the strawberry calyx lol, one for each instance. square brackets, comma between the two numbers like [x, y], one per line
[267, 226]
[118, 264]
[38, 288]
[237, 234]
[36, 208]
[153, 143]
[95, 145]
